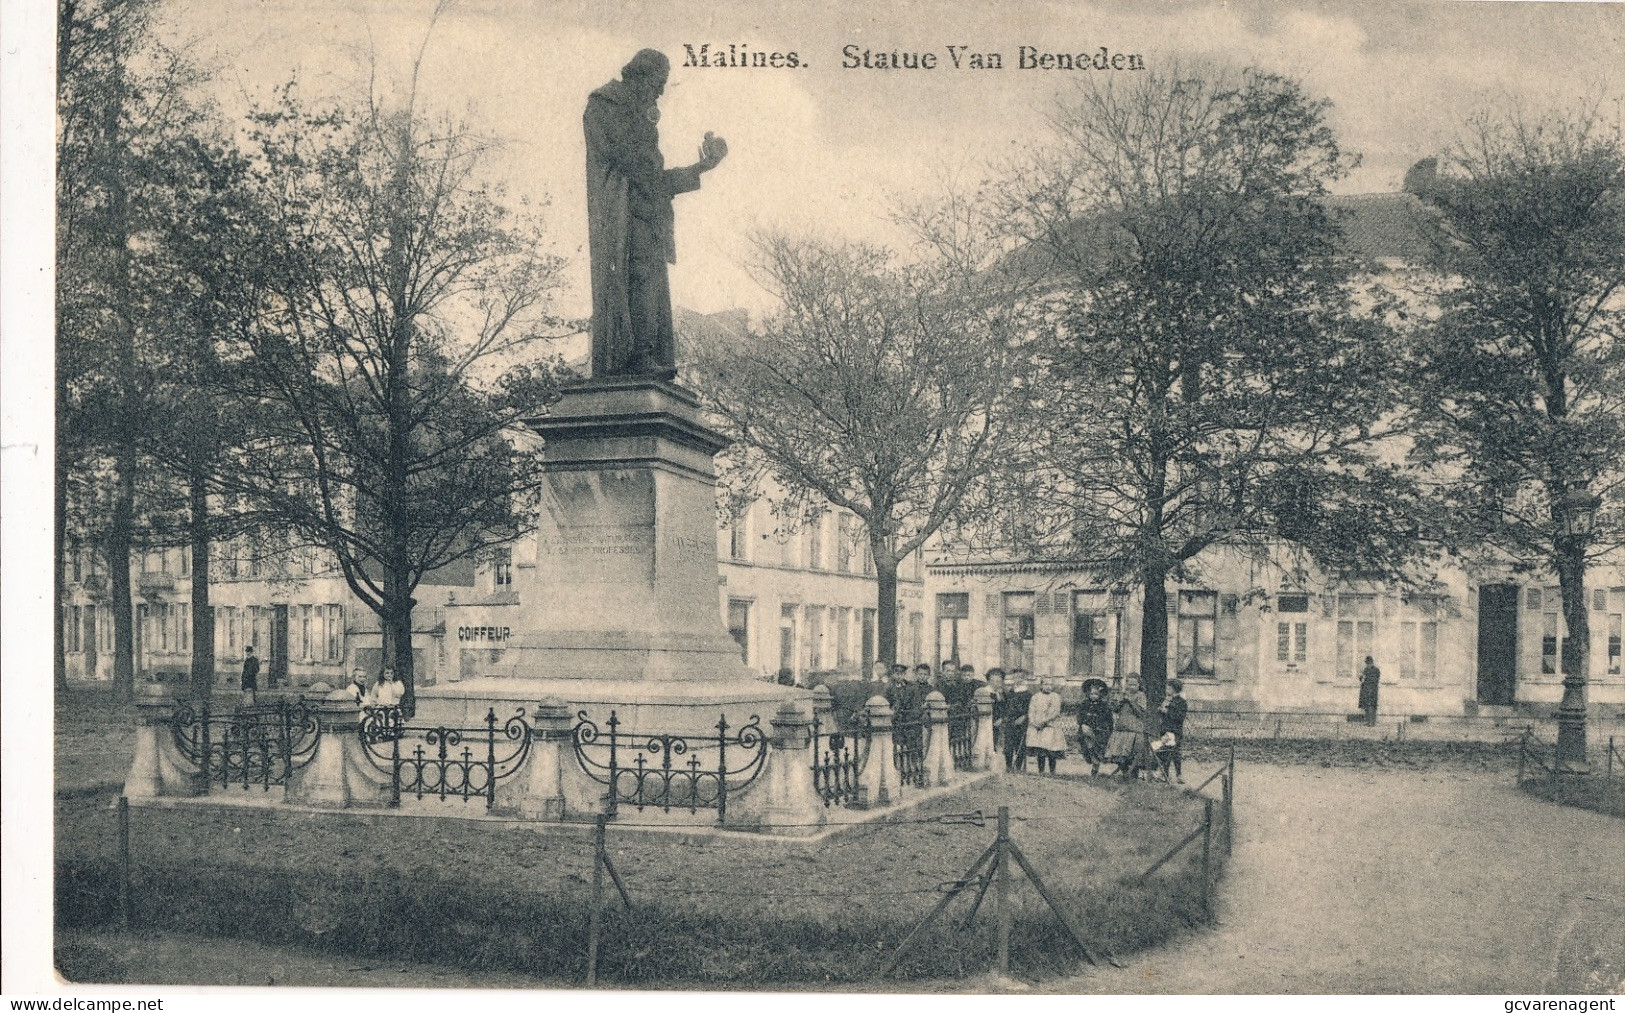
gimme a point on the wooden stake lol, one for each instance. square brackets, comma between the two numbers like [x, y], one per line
[595, 913]
[947, 898]
[1001, 889]
[1207, 850]
[1038, 884]
[124, 860]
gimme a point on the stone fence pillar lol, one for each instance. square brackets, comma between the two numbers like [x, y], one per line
[333, 779]
[939, 756]
[982, 751]
[542, 790]
[823, 709]
[156, 768]
[878, 782]
[791, 804]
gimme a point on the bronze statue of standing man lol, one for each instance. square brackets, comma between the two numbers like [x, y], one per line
[629, 220]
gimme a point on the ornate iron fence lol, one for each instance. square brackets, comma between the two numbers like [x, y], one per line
[908, 750]
[260, 745]
[444, 762]
[667, 771]
[837, 761]
[962, 735]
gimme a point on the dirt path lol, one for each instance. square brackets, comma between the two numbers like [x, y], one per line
[1380, 881]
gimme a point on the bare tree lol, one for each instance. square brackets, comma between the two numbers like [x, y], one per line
[887, 390]
[400, 353]
[1523, 401]
[121, 100]
[1211, 379]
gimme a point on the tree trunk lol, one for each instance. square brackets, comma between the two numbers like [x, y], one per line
[1154, 635]
[395, 627]
[1571, 568]
[203, 661]
[59, 585]
[120, 533]
[885, 602]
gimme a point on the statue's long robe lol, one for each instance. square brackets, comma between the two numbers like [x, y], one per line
[629, 233]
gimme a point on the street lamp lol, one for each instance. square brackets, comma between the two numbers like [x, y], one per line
[1579, 520]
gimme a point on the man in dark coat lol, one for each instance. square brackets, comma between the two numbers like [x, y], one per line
[629, 220]
[1370, 679]
[251, 674]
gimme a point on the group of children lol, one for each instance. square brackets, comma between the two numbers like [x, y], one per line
[1113, 727]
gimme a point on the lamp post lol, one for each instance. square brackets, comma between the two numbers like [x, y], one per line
[1579, 520]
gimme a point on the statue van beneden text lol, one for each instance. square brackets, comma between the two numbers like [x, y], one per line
[629, 220]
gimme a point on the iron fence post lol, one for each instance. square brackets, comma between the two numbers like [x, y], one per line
[722, 771]
[397, 728]
[610, 807]
[1523, 754]
[1225, 842]
[491, 758]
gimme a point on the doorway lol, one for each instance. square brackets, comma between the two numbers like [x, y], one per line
[1497, 644]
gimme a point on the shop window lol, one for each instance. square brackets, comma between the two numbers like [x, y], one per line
[1196, 643]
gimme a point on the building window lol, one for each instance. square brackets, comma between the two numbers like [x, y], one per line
[91, 636]
[739, 626]
[1418, 649]
[1553, 630]
[335, 632]
[739, 539]
[1614, 641]
[787, 637]
[1356, 630]
[1292, 603]
[186, 562]
[953, 623]
[843, 637]
[1016, 630]
[1196, 644]
[815, 636]
[815, 543]
[306, 644]
[843, 544]
[502, 568]
[916, 637]
[1291, 643]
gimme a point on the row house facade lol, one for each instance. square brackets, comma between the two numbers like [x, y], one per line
[1254, 637]
[803, 601]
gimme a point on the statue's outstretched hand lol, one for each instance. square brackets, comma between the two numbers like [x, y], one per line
[712, 150]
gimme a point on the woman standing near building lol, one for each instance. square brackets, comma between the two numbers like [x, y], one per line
[1129, 746]
[1045, 736]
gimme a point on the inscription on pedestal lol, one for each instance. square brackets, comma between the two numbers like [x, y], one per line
[598, 555]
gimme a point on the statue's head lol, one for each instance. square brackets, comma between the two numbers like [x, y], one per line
[647, 71]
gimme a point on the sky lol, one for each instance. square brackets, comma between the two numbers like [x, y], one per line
[828, 150]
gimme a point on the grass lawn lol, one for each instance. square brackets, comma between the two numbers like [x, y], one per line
[708, 912]
[1599, 794]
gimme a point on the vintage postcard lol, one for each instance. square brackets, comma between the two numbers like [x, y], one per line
[905, 498]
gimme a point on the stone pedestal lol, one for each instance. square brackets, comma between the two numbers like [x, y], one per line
[146, 778]
[879, 777]
[625, 582]
[542, 790]
[789, 805]
[332, 778]
[982, 752]
[939, 757]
